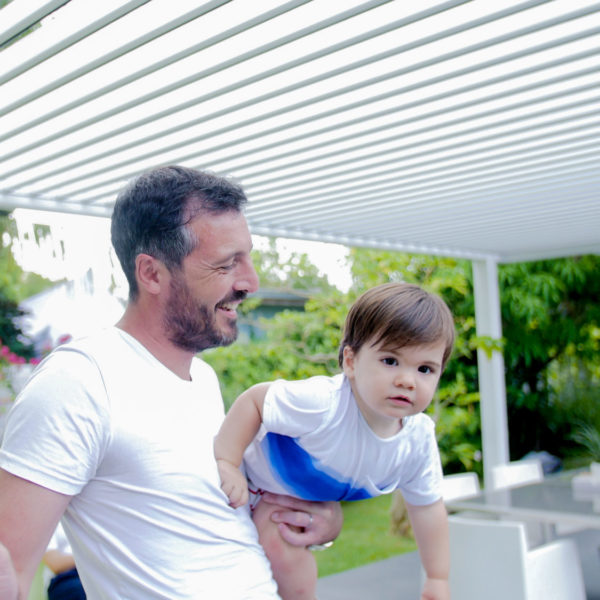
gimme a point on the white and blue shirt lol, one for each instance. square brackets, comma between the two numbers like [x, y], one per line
[315, 444]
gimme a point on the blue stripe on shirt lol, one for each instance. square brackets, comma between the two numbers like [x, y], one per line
[296, 470]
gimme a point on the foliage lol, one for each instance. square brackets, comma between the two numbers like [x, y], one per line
[574, 386]
[295, 273]
[16, 284]
[550, 316]
[588, 436]
[297, 345]
[14, 342]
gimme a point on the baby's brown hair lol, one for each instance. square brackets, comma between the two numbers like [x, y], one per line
[397, 315]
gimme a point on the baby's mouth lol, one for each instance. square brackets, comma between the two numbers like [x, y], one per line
[401, 400]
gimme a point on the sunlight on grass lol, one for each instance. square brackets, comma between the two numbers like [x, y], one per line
[365, 537]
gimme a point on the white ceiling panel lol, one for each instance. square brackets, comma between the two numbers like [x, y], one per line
[461, 128]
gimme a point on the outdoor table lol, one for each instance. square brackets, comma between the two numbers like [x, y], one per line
[555, 499]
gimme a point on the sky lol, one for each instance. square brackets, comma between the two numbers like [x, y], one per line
[86, 244]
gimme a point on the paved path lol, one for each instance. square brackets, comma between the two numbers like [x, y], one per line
[396, 578]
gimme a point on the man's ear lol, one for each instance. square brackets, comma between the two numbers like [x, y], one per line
[149, 273]
[348, 361]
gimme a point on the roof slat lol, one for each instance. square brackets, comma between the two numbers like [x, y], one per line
[463, 128]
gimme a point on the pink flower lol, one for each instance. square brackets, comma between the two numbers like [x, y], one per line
[35, 360]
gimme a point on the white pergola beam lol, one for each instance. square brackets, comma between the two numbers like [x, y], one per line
[492, 387]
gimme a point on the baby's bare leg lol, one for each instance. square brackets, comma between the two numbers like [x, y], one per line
[294, 568]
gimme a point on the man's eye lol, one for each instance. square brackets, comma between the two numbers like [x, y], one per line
[227, 267]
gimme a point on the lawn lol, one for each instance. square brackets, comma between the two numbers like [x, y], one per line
[365, 537]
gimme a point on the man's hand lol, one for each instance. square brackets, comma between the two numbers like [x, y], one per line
[304, 523]
[233, 483]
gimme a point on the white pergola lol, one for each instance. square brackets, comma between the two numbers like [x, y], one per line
[456, 128]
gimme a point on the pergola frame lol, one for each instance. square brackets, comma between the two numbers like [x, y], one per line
[456, 128]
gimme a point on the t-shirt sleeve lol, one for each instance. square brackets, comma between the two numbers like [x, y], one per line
[58, 428]
[423, 484]
[295, 408]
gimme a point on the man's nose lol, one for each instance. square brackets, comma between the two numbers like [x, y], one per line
[247, 279]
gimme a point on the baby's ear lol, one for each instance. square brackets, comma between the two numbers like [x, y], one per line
[348, 361]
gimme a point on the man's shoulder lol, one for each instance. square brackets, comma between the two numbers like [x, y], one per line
[103, 347]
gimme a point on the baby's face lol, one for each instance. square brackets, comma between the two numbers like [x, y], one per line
[389, 384]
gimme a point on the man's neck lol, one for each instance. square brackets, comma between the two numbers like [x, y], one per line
[149, 333]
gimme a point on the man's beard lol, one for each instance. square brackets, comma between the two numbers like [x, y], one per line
[191, 325]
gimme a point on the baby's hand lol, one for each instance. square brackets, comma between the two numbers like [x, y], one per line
[436, 589]
[233, 483]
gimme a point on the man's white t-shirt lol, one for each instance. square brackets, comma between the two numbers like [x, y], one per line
[315, 444]
[104, 421]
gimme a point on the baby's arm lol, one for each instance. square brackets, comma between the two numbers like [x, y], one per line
[241, 424]
[430, 526]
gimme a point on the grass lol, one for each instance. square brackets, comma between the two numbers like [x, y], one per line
[365, 537]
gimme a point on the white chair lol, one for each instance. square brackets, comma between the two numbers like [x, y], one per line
[460, 485]
[489, 560]
[513, 474]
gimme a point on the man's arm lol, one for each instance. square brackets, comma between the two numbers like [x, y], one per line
[239, 428]
[430, 526]
[29, 514]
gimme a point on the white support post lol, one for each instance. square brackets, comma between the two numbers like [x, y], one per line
[492, 386]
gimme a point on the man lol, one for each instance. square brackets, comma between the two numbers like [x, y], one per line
[115, 431]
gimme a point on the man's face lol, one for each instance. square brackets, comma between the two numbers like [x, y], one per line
[201, 307]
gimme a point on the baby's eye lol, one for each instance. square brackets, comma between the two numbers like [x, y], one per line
[425, 369]
[390, 361]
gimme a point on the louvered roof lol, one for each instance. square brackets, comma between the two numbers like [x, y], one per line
[457, 128]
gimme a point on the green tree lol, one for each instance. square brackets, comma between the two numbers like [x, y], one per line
[15, 286]
[295, 273]
[551, 320]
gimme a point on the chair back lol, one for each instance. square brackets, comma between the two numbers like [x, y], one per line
[460, 485]
[513, 474]
[554, 571]
[487, 559]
